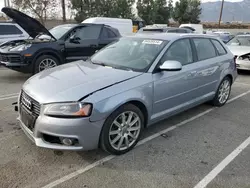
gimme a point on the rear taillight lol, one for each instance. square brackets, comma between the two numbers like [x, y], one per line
[235, 57]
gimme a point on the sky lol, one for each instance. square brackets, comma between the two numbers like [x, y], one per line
[2, 2]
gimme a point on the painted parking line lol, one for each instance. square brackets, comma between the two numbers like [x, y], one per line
[143, 141]
[241, 83]
[211, 175]
[2, 98]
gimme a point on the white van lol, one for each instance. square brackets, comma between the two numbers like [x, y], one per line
[197, 27]
[125, 26]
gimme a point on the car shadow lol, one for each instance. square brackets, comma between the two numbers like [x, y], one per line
[10, 76]
[243, 72]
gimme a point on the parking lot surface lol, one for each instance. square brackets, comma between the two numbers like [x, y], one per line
[195, 148]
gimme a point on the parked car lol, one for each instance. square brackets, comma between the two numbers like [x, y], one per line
[130, 84]
[47, 49]
[155, 29]
[198, 28]
[240, 47]
[10, 30]
[224, 37]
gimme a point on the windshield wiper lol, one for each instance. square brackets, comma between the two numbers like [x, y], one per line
[112, 66]
[122, 68]
[101, 63]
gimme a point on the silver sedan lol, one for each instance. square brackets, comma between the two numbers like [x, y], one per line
[127, 86]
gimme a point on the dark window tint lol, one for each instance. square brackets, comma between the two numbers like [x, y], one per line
[181, 31]
[172, 31]
[88, 32]
[220, 49]
[205, 48]
[9, 30]
[107, 33]
[179, 51]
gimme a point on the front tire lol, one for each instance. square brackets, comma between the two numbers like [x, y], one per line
[122, 130]
[45, 62]
[223, 92]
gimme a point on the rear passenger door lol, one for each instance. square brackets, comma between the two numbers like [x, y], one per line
[207, 66]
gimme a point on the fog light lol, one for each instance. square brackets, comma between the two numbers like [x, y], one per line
[67, 141]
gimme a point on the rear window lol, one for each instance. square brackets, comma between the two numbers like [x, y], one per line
[9, 30]
[220, 49]
[153, 30]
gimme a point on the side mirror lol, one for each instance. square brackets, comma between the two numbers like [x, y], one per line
[171, 65]
[74, 40]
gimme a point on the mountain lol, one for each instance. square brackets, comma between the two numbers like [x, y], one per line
[232, 11]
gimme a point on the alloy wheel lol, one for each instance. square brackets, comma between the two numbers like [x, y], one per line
[125, 130]
[224, 91]
[46, 64]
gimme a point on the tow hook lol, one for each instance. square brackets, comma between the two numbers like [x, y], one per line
[15, 107]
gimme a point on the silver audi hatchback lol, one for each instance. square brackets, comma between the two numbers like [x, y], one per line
[127, 86]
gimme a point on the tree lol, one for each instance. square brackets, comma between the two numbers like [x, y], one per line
[187, 11]
[195, 11]
[154, 11]
[123, 9]
[40, 8]
[106, 8]
[162, 12]
[63, 10]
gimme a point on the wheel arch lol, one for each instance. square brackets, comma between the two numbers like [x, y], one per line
[49, 52]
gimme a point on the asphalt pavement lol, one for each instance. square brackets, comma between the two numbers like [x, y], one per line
[202, 147]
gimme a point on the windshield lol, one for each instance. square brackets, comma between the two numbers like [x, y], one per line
[240, 41]
[59, 31]
[130, 54]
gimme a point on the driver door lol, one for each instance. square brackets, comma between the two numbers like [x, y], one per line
[82, 43]
[175, 90]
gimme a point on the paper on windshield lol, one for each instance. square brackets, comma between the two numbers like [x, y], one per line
[157, 42]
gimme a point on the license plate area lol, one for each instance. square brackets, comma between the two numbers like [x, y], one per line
[27, 118]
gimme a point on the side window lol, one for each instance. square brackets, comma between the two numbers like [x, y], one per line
[181, 51]
[172, 31]
[204, 48]
[9, 30]
[111, 34]
[88, 32]
[220, 49]
[181, 31]
[107, 33]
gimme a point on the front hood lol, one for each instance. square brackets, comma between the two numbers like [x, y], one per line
[73, 81]
[30, 25]
[239, 50]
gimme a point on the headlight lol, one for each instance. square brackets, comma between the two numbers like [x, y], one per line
[21, 48]
[76, 109]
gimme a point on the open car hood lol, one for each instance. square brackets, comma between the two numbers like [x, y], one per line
[239, 50]
[30, 25]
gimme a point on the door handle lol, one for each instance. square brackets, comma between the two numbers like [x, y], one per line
[192, 73]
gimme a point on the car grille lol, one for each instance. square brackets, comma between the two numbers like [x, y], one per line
[12, 58]
[31, 108]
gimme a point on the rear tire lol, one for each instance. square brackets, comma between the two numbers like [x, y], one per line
[45, 62]
[223, 92]
[122, 130]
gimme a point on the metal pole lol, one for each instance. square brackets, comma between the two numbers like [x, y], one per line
[221, 10]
